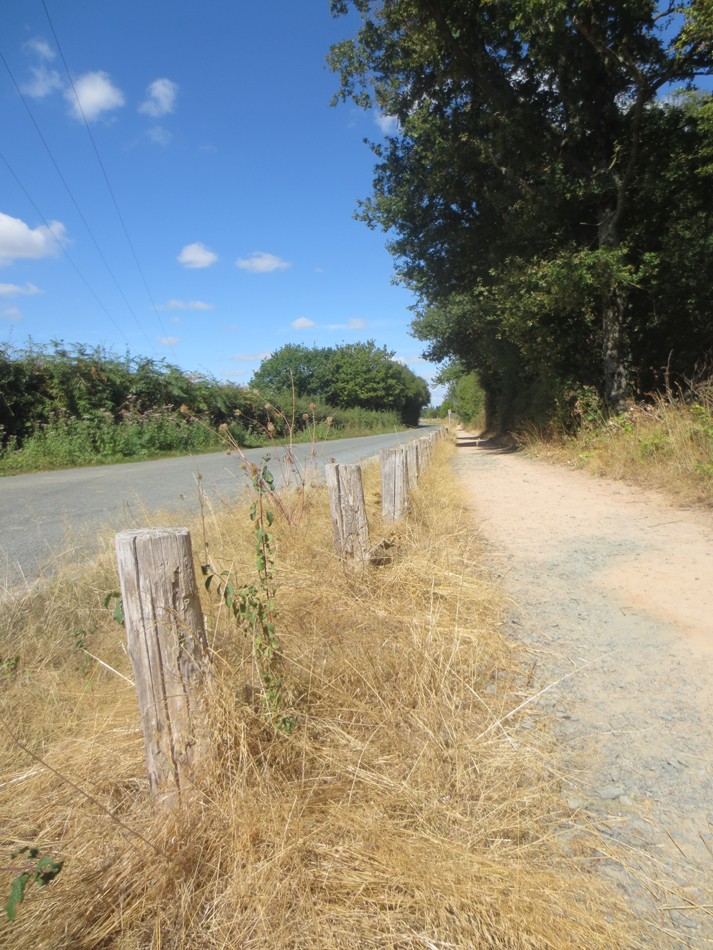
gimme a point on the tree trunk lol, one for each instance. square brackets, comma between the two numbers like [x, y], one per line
[614, 373]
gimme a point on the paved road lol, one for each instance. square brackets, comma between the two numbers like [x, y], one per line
[52, 513]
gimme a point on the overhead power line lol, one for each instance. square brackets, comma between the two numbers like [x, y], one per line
[103, 169]
[72, 197]
[63, 248]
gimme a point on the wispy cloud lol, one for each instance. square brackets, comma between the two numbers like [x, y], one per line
[160, 98]
[17, 290]
[168, 340]
[95, 95]
[19, 241]
[388, 124]
[356, 323]
[160, 136]
[251, 357]
[44, 81]
[261, 263]
[302, 323]
[11, 314]
[196, 255]
[185, 305]
[40, 47]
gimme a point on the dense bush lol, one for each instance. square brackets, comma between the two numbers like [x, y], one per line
[64, 406]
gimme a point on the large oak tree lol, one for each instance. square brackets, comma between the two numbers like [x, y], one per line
[518, 189]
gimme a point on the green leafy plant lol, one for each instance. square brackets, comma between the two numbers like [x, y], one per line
[253, 605]
[9, 666]
[118, 612]
[39, 870]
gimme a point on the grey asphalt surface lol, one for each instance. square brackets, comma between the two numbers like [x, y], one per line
[59, 514]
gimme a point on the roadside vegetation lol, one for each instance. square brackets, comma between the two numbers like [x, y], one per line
[63, 406]
[545, 189]
[414, 801]
[665, 443]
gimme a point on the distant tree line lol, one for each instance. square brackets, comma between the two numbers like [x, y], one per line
[546, 193]
[354, 375]
[43, 385]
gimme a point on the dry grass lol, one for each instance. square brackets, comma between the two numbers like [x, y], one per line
[666, 445]
[399, 814]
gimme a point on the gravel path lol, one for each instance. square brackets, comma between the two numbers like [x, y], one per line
[612, 588]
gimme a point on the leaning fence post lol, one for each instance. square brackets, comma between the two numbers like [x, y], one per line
[168, 651]
[348, 509]
[394, 491]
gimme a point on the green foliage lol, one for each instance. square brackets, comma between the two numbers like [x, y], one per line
[69, 406]
[467, 399]
[253, 606]
[352, 376]
[40, 871]
[549, 209]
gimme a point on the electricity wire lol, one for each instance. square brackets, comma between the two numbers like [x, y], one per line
[73, 199]
[64, 250]
[103, 169]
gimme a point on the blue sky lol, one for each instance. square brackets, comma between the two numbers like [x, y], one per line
[234, 178]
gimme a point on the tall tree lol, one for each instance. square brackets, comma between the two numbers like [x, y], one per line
[511, 176]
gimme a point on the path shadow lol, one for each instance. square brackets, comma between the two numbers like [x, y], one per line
[500, 444]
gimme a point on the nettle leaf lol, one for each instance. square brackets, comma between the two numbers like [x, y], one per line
[47, 869]
[17, 894]
[118, 612]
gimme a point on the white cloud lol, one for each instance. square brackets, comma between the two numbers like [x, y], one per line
[354, 324]
[251, 357]
[196, 255]
[18, 240]
[168, 340]
[96, 94]
[44, 81]
[16, 290]
[160, 98]
[185, 305]
[40, 48]
[11, 314]
[302, 323]
[388, 124]
[160, 136]
[261, 263]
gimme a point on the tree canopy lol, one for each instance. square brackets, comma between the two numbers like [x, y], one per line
[547, 197]
[352, 375]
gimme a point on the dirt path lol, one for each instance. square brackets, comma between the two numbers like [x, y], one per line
[612, 588]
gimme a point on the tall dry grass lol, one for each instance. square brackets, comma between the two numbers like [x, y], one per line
[665, 444]
[405, 810]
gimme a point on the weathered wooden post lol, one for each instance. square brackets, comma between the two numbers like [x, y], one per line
[411, 450]
[394, 490]
[346, 503]
[424, 452]
[169, 654]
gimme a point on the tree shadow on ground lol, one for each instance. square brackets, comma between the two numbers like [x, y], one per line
[502, 444]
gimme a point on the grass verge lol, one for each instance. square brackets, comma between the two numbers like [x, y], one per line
[405, 810]
[666, 445]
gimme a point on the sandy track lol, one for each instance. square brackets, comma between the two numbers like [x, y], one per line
[612, 587]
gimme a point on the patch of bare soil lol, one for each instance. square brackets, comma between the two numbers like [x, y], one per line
[612, 590]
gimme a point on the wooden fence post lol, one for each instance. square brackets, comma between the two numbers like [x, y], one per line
[411, 452]
[346, 503]
[394, 490]
[168, 651]
[424, 452]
